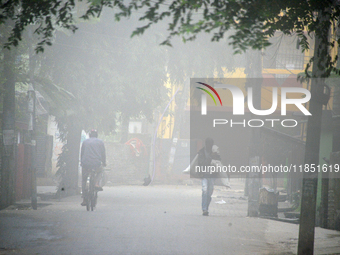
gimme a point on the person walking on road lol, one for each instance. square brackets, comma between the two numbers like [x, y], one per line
[205, 158]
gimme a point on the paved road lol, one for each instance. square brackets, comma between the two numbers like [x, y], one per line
[138, 220]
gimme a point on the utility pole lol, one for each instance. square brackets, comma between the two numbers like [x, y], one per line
[310, 180]
[254, 80]
[31, 110]
[32, 98]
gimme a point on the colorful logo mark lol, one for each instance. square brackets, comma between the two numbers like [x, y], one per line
[209, 93]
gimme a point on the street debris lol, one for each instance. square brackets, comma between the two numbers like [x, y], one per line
[221, 202]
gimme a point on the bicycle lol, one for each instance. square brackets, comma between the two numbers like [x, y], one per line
[90, 190]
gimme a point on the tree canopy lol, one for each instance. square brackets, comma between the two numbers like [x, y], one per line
[48, 15]
[253, 21]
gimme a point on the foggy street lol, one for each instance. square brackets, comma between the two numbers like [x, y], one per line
[159, 219]
[153, 100]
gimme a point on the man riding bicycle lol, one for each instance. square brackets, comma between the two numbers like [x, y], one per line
[92, 156]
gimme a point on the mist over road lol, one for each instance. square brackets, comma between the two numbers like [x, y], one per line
[158, 219]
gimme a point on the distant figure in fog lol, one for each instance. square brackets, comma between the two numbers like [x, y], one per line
[92, 156]
[205, 158]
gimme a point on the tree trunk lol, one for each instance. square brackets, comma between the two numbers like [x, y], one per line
[72, 162]
[8, 130]
[336, 105]
[336, 112]
[310, 180]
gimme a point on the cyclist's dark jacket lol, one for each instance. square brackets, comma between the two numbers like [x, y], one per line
[92, 153]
